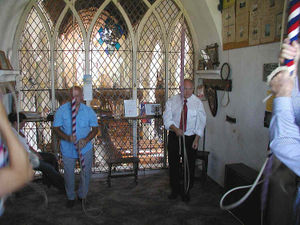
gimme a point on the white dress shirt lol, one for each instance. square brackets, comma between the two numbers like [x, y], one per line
[196, 116]
[33, 158]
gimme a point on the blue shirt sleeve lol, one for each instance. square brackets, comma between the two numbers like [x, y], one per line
[93, 118]
[58, 118]
[285, 134]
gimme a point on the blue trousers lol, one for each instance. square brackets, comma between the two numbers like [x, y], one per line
[69, 166]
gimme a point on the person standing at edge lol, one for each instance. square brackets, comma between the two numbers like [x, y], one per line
[17, 171]
[86, 130]
[282, 207]
[191, 130]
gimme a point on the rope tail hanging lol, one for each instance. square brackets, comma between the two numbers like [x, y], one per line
[186, 176]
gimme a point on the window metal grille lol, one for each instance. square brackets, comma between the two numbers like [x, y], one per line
[34, 65]
[150, 77]
[167, 11]
[80, 48]
[111, 70]
[174, 57]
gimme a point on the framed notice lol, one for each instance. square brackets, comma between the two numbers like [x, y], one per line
[130, 107]
[228, 33]
[268, 29]
[152, 109]
[241, 7]
[228, 3]
[241, 28]
[254, 29]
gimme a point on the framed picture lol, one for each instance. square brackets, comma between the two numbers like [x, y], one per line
[212, 52]
[211, 95]
[201, 64]
[199, 87]
[4, 62]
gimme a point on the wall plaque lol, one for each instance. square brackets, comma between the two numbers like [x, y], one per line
[267, 69]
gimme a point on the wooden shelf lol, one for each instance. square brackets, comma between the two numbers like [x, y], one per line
[8, 75]
[208, 74]
[218, 84]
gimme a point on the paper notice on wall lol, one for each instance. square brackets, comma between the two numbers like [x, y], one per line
[228, 3]
[268, 29]
[242, 7]
[254, 29]
[242, 26]
[87, 87]
[228, 16]
[130, 107]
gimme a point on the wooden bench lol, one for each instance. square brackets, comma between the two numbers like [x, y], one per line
[114, 156]
[116, 161]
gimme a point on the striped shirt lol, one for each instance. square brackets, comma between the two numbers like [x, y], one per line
[3, 163]
[285, 130]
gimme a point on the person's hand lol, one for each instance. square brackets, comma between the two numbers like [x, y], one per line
[179, 132]
[39, 155]
[290, 52]
[4, 124]
[72, 139]
[195, 144]
[81, 143]
[282, 84]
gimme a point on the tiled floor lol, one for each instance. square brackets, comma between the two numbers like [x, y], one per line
[124, 204]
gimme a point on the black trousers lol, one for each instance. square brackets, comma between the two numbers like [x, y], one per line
[281, 195]
[175, 166]
[49, 167]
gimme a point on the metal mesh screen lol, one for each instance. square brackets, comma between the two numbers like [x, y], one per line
[114, 141]
[51, 10]
[150, 143]
[152, 1]
[111, 69]
[34, 65]
[167, 11]
[110, 59]
[175, 54]
[135, 9]
[69, 55]
[87, 9]
[150, 77]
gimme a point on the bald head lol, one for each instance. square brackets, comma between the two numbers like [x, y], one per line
[188, 88]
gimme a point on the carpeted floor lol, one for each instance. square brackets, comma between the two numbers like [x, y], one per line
[123, 204]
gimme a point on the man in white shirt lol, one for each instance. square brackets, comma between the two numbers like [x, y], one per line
[184, 118]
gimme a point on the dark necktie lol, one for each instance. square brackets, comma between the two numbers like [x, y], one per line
[184, 115]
